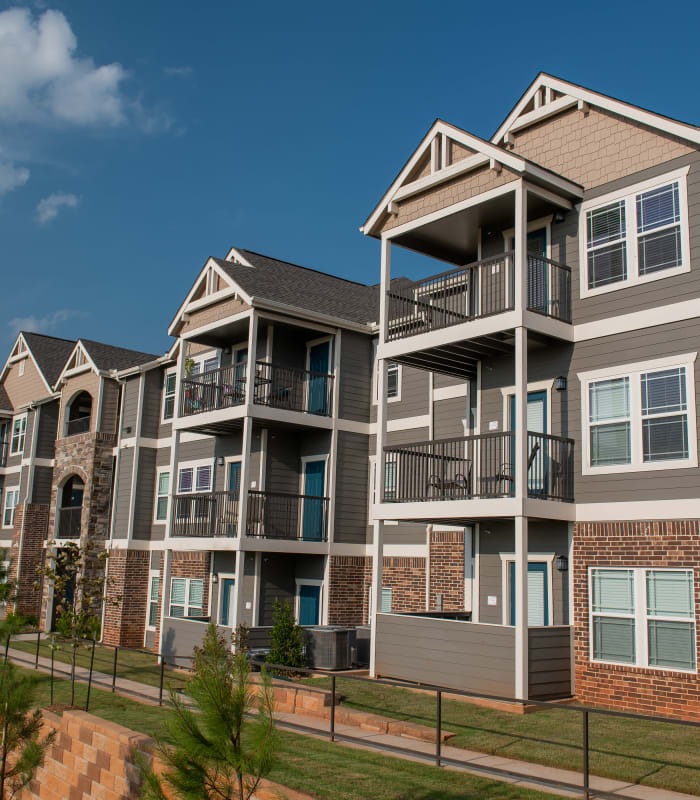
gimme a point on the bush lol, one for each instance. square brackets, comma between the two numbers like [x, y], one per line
[287, 638]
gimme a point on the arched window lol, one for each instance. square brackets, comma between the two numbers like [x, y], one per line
[70, 508]
[79, 413]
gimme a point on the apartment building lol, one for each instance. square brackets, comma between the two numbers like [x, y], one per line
[561, 282]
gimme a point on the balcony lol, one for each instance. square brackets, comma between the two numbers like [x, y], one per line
[476, 291]
[210, 514]
[4, 450]
[69, 522]
[275, 386]
[478, 467]
[293, 517]
[77, 426]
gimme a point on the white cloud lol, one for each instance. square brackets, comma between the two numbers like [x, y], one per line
[42, 78]
[48, 207]
[45, 324]
[178, 72]
[11, 176]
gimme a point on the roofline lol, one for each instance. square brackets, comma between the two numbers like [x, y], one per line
[33, 357]
[261, 303]
[93, 366]
[140, 368]
[653, 119]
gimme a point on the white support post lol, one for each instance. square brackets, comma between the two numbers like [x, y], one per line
[521, 522]
[164, 593]
[520, 245]
[385, 283]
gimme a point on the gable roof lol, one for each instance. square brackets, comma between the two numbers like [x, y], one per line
[286, 284]
[50, 353]
[108, 357]
[563, 94]
[5, 404]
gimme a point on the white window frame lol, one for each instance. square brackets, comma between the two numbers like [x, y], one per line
[200, 358]
[10, 492]
[220, 577]
[152, 574]
[634, 373]
[532, 558]
[629, 195]
[160, 471]
[641, 638]
[193, 465]
[297, 596]
[399, 381]
[302, 486]
[22, 420]
[168, 373]
[186, 605]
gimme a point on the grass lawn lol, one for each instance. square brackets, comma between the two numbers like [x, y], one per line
[652, 753]
[323, 770]
[131, 665]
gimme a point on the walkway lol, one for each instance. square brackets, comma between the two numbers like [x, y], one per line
[526, 774]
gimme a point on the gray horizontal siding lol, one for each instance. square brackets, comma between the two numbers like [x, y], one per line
[152, 403]
[458, 655]
[145, 494]
[48, 427]
[181, 636]
[355, 383]
[352, 486]
[131, 405]
[549, 662]
[123, 498]
[449, 417]
[41, 491]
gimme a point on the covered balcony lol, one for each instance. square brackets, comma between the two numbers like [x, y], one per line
[292, 517]
[205, 514]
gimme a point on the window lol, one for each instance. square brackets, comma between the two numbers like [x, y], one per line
[19, 429]
[390, 468]
[393, 380]
[8, 515]
[210, 364]
[641, 418]
[635, 235]
[195, 479]
[186, 597]
[169, 395]
[162, 489]
[385, 605]
[643, 617]
[154, 588]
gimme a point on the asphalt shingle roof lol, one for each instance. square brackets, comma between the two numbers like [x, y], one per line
[303, 288]
[50, 353]
[107, 356]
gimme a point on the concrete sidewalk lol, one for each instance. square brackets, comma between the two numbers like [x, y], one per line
[527, 774]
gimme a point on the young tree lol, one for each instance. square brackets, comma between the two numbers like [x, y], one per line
[21, 748]
[78, 580]
[286, 637]
[12, 622]
[221, 753]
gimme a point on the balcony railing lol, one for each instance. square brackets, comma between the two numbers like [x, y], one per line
[4, 450]
[210, 391]
[205, 514]
[279, 515]
[481, 466]
[69, 522]
[293, 389]
[79, 425]
[478, 290]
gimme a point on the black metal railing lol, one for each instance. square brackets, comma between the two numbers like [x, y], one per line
[69, 522]
[549, 288]
[205, 514]
[480, 466]
[4, 450]
[78, 425]
[280, 515]
[478, 290]
[212, 390]
[293, 389]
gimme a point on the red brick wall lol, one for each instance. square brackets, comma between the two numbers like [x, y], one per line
[127, 597]
[349, 579]
[671, 543]
[192, 564]
[406, 578]
[31, 524]
[447, 569]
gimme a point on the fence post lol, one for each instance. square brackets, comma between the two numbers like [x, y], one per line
[38, 642]
[114, 668]
[586, 776]
[438, 730]
[333, 708]
[162, 676]
[52, 652]
[92, 661]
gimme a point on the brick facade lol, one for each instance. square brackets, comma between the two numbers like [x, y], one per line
[668, 543]
[349, 579]
[192, 564]
[127, 598]
[406, 578]
[447, 570]
[30, 526]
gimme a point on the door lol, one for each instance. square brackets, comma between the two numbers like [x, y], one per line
[537, 594]
[309, 604]
[536, 423]
[227, 601]
[240, 364]
[313, 517]
[230, 514]
[319, 365]
[537, 272]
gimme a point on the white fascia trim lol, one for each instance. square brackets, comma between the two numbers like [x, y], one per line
[210, 299]
[158, 362]
[144, 441]
[90, 365]
[680, 359]
[281, 546]
[11, 471]
[547, 110]
[408, 423]
[38, 462]
[450, 392]
[210, 326]
[638, 510]
[235, 255]
[21, 338]
[448, 509]
[262, 303]
[638, 320]
[420, 185]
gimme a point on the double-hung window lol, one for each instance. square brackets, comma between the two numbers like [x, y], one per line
[640, 417]
[169, 395]
[186, 597]
[8, 514]
[193, 480]
[153, 590]
[19, 430]
[393, 381]
[635, 235]
[162, 489]
[644, 617]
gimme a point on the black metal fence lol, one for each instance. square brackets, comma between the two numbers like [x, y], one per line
[280, 515]
[205, 514]
[479, 466]
[293, 389]
[78, 425]
[4, 449]
[549, 287]
[212, 390]
[69, 522]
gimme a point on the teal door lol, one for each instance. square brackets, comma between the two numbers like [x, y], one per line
[537, 594]
[313, 522]
[536, 423]
[319, 365]
[231, 501]
[537, 272]
[309, 604]
[227, 599]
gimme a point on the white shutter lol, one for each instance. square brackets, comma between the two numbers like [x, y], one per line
[536, 588]
[535, 416]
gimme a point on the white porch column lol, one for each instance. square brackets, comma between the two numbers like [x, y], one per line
[385, 281]
[164, 593]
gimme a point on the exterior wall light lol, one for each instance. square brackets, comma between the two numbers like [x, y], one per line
[220, 461]
[562, 563]
[560, 383]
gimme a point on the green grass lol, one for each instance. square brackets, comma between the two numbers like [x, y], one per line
[132, 665]
[651, 753]
[323, 770]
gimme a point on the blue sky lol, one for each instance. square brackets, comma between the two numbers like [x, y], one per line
[139, 138]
